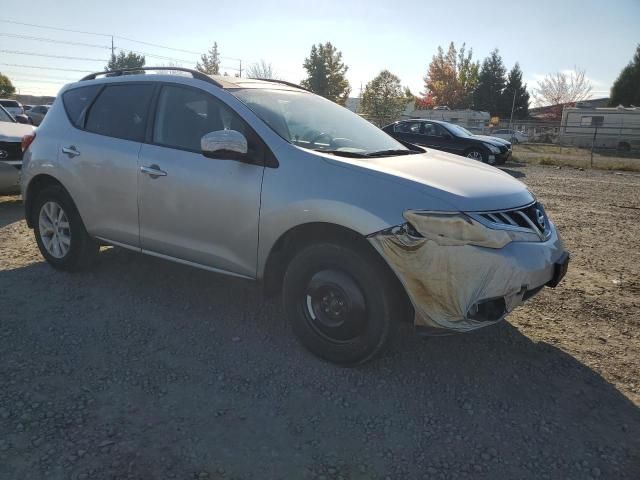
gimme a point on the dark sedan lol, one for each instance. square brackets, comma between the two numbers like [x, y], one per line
[451, 138]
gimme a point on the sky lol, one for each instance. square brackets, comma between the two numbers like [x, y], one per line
[543, 36]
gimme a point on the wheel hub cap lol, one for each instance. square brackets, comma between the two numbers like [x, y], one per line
[335, 306]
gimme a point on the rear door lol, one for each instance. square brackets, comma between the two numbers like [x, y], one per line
[102, 155]
[408, 131]
[198, 209]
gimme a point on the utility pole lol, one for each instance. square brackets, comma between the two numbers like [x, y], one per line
[113, 50]
[240, 60]
[513, 105]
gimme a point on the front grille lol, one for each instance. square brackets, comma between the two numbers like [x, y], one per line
[13, 151]
[531, 218]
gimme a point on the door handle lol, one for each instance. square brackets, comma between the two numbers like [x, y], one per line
[153, 171]
[71, 151]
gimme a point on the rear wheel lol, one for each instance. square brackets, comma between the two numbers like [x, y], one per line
[340, 303]
[60, 233]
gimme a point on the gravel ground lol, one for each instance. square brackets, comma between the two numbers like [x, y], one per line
[144, 369]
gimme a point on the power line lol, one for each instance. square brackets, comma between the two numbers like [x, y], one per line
[114, 36]
[45, 68]
[19, 52]
[54, 28]
[53, 40]
[35, 80]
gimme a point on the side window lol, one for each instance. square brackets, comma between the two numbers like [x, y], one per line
[184, 115]
[407, 127]
[77, 100]
[121, 111]
[430, 130]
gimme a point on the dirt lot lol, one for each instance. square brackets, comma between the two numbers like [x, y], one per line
[547, 154]
[145, 369]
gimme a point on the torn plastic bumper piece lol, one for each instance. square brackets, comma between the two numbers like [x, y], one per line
[461, 278]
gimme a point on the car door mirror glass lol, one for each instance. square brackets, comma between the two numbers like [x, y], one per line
[225, 145]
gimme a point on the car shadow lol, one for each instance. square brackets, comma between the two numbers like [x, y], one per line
[170, 359]
[11, 210]
[513, 173]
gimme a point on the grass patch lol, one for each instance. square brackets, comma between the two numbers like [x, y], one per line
[555, 155]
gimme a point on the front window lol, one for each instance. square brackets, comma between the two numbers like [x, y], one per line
[5, 117]
[458, 131]
[312, 122]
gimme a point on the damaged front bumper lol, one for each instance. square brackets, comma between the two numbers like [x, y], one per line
[460, 282]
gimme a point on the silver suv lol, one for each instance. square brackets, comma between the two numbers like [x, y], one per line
[263, 180]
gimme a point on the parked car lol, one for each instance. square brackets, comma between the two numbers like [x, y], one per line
[266, 181]
[12, 106]
[514, 136]
[450, 138]
[37, 113]
[11, 133]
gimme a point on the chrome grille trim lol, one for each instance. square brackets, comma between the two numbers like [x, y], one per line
[521, 219]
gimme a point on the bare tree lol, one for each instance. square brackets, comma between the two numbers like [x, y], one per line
[261, 69]
[557, 88]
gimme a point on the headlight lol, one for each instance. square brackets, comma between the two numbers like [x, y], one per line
[492, 148]
[460, 229]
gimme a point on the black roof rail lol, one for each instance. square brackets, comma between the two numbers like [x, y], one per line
[289, 84]
[122, 71]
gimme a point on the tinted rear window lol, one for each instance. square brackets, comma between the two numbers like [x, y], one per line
[77, 100]
[121, 111]
[9, 103]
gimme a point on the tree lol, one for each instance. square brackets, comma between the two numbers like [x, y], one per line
[6, 87]
[560, 88]
[384, 99]
[210, 61]
[491, 82]
[261, 69]
[515, 95]
[125, 60]
[451, 78]
[626, 88]
[326, 73]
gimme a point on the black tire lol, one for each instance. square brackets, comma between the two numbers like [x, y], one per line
[360, 334]
[476, 154]
[82, 250]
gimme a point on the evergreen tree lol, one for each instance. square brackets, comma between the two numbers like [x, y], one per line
[210, 61]
[326, 73]
[491, 82]
[125, 60]
[515, 87]
[626, 89]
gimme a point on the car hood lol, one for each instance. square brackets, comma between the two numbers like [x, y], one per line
[458, 183]
[13, 132]
[494, 140]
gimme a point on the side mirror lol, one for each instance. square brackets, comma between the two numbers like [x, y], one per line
[224, 145]
[22, 119]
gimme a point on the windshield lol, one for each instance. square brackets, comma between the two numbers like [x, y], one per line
[312, 122]
[5, 117]
[458, 130]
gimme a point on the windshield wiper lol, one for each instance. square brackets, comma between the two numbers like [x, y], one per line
[344, 153]
[390, 153]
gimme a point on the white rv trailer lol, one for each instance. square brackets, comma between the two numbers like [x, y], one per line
[474, 121]
[616, 127]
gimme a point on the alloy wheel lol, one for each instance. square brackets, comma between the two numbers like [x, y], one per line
[54, 228]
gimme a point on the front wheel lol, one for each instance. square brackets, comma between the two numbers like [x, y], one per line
[339, 301]
[60, 233]
[476, 154]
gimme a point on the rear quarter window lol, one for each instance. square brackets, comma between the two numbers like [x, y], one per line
[77, 100]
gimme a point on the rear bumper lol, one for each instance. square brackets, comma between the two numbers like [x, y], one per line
[458, 288]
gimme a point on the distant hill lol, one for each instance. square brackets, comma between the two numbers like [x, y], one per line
[34, 100]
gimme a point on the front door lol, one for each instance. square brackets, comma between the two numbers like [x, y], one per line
[193, 208]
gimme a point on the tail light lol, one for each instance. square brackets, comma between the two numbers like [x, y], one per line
[27, 140]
